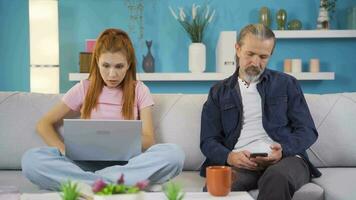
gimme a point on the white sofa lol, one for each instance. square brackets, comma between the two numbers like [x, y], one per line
[177, 120]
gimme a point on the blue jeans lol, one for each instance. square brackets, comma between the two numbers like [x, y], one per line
[47, 168]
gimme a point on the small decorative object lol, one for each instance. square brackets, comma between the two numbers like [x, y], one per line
[314, 65]
[100, 189]
[287, 65]
[148, 62]
[195, 25]
[296, 65]
[294, 25]
[351, 18]
[265, 16]
[281, 19]
[197, 57]
[69, 191]
[89, 45]
[173, 191]
[84, 62]
[326, 6]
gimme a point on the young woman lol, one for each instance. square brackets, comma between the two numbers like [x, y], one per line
[111, 92]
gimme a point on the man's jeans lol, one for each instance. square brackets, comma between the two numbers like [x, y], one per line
[47, 168]
[278, 181]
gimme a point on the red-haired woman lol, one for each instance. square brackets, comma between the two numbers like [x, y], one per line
[111, 92]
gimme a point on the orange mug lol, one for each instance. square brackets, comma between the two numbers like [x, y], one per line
[218, 180]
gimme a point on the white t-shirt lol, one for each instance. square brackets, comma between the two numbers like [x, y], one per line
[253, 136]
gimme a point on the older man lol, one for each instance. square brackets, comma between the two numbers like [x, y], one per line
[258, 110]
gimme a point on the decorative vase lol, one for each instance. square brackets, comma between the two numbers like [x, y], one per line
[148, 62]
[265, 16]
[197, 57]
[294, 25]
[281, 18]
[323, 18]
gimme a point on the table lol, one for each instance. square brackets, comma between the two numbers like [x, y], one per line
[151, 196]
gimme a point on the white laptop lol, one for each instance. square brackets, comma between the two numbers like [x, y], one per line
[102, 140]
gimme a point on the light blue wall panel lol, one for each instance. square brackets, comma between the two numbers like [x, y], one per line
[14, 46]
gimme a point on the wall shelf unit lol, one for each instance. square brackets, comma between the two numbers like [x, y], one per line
[211, 76]
[208, 76]
[305, 34]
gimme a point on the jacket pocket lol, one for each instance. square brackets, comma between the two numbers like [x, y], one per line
[277, 108]
[229, 117]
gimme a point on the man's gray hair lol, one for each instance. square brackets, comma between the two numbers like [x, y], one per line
[259, 30]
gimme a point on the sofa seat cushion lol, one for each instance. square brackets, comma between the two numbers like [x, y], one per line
[15, 178]
[338, 183]
[190, 181]
[309, 191]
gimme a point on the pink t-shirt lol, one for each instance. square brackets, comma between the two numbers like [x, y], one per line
[110, 100]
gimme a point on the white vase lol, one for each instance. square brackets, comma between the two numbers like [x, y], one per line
[197, 57]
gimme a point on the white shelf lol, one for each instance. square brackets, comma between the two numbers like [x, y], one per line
[208, 76]
[314, 76]
[285, 34]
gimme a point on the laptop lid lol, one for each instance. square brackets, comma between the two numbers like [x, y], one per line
[102, 140]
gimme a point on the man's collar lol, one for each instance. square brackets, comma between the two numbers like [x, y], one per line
[265, 75]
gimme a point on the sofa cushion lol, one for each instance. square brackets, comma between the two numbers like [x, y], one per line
[190, 181]
[334, 117]
[19, 113]
[177, 120]
[15, 178]
[338, 183]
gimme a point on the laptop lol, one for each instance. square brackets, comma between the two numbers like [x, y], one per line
[102, 140]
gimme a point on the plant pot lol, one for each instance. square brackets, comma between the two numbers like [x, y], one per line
[136, 196]
[197, 57]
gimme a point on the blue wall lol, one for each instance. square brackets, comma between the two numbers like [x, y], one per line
[14, 46]
[83, 19]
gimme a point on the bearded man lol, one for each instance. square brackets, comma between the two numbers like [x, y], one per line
[258, 122]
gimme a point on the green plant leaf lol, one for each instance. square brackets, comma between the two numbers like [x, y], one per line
[173, 191]
[195, 27]
[69, 191]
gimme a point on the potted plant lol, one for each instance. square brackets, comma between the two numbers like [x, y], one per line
[173, 191]
[195, 25]
[69, 191]
[104, 191]
[326, 10]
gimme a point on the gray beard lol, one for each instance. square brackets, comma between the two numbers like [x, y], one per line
[253, 74]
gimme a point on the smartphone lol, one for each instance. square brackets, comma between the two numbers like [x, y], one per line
[254, 155]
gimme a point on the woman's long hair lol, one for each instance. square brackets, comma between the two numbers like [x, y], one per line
[111, 40]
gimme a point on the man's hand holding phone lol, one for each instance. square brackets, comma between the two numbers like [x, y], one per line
[264, 160]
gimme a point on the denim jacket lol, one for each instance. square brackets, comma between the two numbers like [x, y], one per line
[285, 117]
